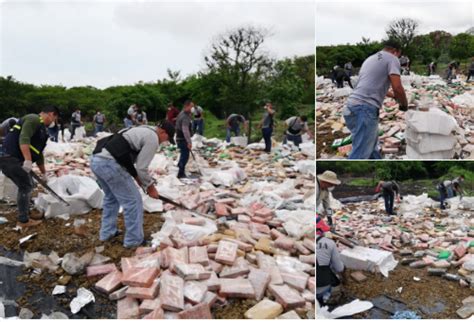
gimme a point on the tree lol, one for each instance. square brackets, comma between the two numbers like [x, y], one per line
[461, 46]
[403, 30]
[238, 62]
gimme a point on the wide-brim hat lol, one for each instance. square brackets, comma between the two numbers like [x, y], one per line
[329, 176]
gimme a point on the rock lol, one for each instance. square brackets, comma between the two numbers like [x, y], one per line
[25, 314]
[58, 316]
[72, 264]
[264, 309]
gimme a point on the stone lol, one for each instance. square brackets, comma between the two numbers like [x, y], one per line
[259, 280]
[171, 293]
[119, 294]
[192, 272]
[25, 314]
[286, 296]
[149, 305]
[110, 282]
[200, 311]
[358, 276]
[194, 292]
[290, 315]
[198, 255]
[127, 308]
[100, 269]
[264, 309]
[140, 277]
[226, 252]
[297, 280]
[144, 292]
[236, 287]
[157, 314]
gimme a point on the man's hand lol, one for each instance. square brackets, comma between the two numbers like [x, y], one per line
[190, 146]
[27, 166]
[152, 192]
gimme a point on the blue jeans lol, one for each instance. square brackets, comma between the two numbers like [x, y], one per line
[98, 128]
[267, 137]
[183, 157]
[388, 198]
[363, 122]
[296, 139]
[198, 126]
[120, 190]
[235, 129]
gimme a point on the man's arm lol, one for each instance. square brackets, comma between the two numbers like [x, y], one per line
[187, 135]
[398, 90]
[336, 263]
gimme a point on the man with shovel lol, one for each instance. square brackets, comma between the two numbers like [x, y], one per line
[118, 161]
[23, 146]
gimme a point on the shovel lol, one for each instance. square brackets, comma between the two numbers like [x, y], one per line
[48, 188]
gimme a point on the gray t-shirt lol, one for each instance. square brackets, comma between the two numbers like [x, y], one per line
[267, 120]
[374, 80]
[328, 255]
[295, 126]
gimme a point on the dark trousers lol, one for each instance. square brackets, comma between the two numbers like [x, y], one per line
[443, 194]
[53, 134]
[388, 198]
[198, 126]
[74, 126]
[183, 157]
[11, 168]
[296, 139]
[267, 137]
[471, 73]
[340, 83]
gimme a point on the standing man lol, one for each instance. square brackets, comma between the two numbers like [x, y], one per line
[267, 126]
[183, 137]
[348, 68]
[117, 161]
[99, 120]
[140, 116]
[198, 121]
[296, 126]
[325, 183]
[377, 74]
[131, 115]
[390, 191]
[75, 122]
[328, 263]
[172, 114]
[23, 146]
[233, 125]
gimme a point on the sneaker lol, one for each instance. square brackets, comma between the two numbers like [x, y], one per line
[29, 223]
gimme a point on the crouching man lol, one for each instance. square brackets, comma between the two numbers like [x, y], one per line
[328, 263]
[23, 146]
[117, 161]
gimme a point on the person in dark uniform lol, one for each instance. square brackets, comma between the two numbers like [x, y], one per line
[339, 76]
[390, 190]
[328, 263]
[23, 146]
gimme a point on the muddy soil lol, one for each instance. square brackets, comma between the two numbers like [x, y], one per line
[325, 136]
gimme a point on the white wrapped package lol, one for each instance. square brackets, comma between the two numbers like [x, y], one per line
[306, 167]
[368, 259]
[464, 100]
[239, 141]
[297, 223]
[228, 177]
[342, 92]
[308, 149]
[434, 121]
[427, 143]
[412, 153]
[84, 297]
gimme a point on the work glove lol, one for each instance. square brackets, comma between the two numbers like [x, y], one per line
[27, 166]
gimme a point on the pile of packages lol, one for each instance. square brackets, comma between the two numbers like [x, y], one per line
[245, 230]
[439, 126]
[421, 236]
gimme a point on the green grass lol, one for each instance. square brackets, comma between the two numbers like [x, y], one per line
[361, 182]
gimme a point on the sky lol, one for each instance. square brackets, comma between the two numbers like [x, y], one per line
[106, 43]
[341, 22]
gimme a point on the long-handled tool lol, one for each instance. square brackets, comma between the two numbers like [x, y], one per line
[194, 158]
[346, 241]
[179, 205]
[48, 188]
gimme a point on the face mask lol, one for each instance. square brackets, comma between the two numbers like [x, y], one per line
[53, 124]
[331, 188]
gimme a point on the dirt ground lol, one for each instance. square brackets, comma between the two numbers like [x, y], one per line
[325, 136]
[426, 297]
